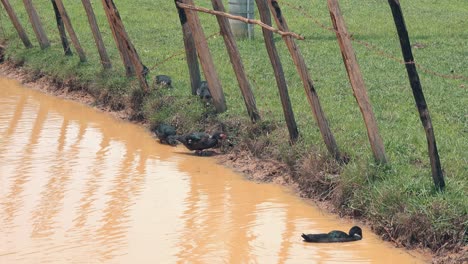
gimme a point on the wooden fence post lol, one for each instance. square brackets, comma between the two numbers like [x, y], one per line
[357, 81]
[19, 28]
[61, 29]
[70, 30]
[36, 24]
[278, 71]
[190, 51]
[204, 55]
[105, 61]
[436, 168]
[128, 65]
[236, 62]
[310, 91]
[117, 25]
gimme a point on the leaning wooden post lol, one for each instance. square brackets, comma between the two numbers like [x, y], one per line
[204, 55]
[310, 91]
[61, 29]
[122, 36]
[36, 24]
[128, 65]
[190, 51]
[105, 61]
[278, 71]
[70, 30]
[357, 81]
[437, 174]
[236, 62]
[19, 28]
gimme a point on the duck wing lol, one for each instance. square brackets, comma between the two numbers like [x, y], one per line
[198, 136]
[202, 141]
[194, 141]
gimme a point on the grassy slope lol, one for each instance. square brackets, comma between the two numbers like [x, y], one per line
[399, 196]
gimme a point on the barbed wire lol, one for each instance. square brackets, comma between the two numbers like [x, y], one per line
[179, 53]
[367, 45]
[376, 49]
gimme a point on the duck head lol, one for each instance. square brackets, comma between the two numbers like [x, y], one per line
[355, 231]
[219, 136]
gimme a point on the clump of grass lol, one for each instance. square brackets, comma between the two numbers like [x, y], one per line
[317, 176]
[183, 112]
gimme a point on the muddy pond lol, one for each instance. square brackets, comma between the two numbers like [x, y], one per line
[79, 186]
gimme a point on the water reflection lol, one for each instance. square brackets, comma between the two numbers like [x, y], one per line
[77, 186]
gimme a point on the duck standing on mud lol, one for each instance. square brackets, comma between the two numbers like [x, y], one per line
[166, 134]
[200, 141]
[355, 233]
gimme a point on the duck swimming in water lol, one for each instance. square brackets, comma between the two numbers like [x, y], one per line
[355, 233]
[200, 141]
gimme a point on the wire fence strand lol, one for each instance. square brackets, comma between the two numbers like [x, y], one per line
[376, 49]
[179, 53]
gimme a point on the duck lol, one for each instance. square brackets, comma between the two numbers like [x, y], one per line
[200, 141]
[204, 92]
[166, 134]
[355, 233]
[163, 81]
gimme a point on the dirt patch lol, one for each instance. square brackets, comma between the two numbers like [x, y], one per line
[255, 169]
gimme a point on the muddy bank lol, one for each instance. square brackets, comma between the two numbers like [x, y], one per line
[310, 177]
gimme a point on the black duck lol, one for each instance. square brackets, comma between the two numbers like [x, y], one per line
[200, 141]
[355, 233]
[166, 134]
[204, 92]
[163, 81]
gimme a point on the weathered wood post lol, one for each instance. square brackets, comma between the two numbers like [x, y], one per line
[127, 63]
[278, 71]
[357, 81]
[105, 61]
[190, 51]
[19, 28]
[436, 168]
[61, 29]
[36, 24]
[310, 91]
[117, 25]
[204, 55]
[70, 30]
[236, 62]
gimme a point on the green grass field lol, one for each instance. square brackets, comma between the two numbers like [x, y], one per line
[399, 196]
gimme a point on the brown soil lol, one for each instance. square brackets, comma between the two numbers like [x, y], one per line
[238, 158]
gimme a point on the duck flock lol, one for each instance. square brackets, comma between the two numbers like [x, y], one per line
[197, 141]
[201, 141]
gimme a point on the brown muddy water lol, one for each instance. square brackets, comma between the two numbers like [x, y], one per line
[79, 186]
